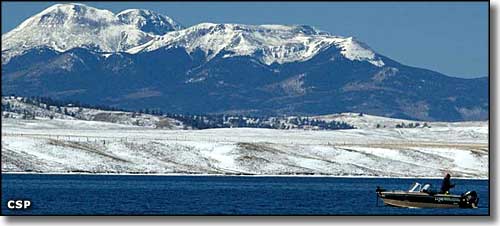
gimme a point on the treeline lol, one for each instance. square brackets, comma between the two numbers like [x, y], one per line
[413, 125]
[240, 121]
[47, 102]
[195, 121]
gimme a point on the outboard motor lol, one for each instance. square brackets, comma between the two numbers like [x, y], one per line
[469, 200]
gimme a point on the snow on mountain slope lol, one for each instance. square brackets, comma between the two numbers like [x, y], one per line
[148, 21]
[95, 147]
[268, 43]
[65, 26]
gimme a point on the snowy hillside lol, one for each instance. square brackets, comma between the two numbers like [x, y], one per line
[38, 137]
[62, 27]
[99, 147]
[19, 109]
[35, 108]
[366, 121]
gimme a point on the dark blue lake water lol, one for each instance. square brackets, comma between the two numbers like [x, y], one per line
[215, 195]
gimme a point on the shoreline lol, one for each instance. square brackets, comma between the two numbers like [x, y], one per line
[235, 175]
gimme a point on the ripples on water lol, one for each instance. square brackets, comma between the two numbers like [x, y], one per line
[216, 195]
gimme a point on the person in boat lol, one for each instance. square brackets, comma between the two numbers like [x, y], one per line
[446, 185]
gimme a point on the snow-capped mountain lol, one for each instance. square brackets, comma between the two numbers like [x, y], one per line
[148, 21]
[140, 59]
[62, 27]
[268, 43]
[65, 26]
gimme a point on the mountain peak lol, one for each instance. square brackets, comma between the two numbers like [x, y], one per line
[303, 29]
[74, 13]
[148, 21]
[354, 49]
[65, 26]
[270, 43]
[76, 7]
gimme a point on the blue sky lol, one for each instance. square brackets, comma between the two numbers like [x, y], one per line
[448, 37]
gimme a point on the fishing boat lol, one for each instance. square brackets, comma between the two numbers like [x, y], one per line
[422, 196]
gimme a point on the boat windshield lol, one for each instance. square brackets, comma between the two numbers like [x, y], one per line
[426, 188]
[415, 187]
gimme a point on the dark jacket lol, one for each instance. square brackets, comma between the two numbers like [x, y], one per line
[446, 185]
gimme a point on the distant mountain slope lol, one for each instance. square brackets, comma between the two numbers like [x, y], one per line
[140, 59]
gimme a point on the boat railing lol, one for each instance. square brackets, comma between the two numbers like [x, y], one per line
[416, 187]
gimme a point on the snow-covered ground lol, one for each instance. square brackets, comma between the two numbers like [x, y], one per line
[366, 121]
[43, 111]
[61, 146]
